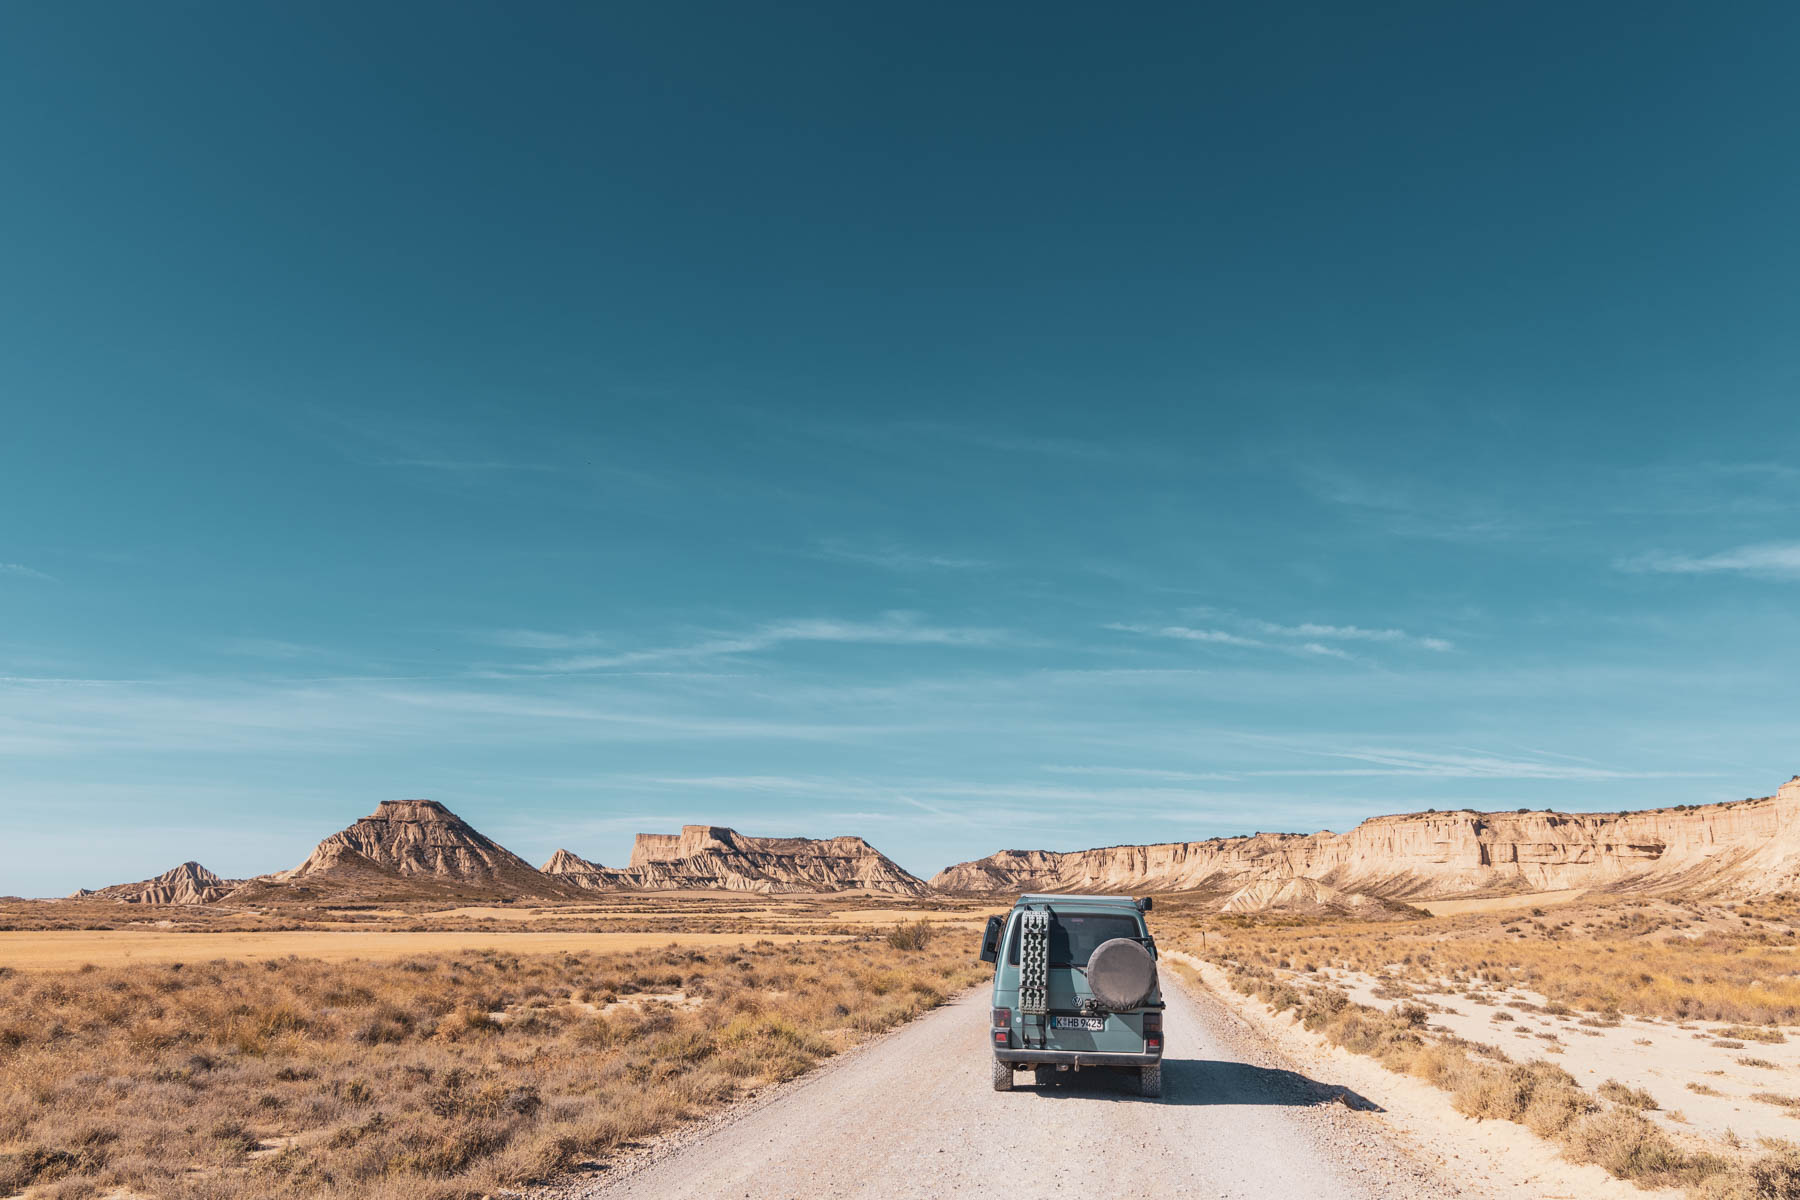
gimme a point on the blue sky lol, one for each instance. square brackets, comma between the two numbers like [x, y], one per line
[1024, 427]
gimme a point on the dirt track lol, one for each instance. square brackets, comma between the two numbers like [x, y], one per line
[914, 1115]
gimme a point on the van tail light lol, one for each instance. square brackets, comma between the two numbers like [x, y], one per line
[1153, 1022]
[1003, 1018]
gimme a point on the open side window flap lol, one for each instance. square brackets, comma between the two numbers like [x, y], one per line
[990, 939]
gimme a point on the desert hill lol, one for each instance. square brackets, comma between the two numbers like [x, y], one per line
[712, 857]
[570, 868]
[190, 883]
[1738, 849]
[421, 837]
[408, 849]
[1308, 897]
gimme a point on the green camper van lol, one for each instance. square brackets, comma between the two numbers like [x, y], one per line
[1075, 989]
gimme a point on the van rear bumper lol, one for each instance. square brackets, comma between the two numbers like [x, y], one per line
[1075, 1058]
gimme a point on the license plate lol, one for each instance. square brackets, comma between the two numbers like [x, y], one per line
[1091, 1024]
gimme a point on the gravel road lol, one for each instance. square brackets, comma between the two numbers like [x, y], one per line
[914, 1115]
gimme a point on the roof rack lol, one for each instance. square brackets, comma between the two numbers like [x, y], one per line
[1142, 905]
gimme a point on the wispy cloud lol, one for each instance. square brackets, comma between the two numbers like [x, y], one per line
[385, 439]
[462, 465]
[258, 647]
[1409, 512]
[54, 717]
[539, 639]
[1775, 559]
[1184, 633]
[1283, 643]
[910, 790]
[1389, 762]
[1350, 633]
[21, 571]
[1075, 449]
[893, 629]
[1144, 773]
[891, 557]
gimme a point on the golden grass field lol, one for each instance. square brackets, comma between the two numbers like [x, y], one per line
[430, 1067]
[65, 949]
[703, 912]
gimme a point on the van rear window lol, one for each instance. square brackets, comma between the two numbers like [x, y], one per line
[1075, 936]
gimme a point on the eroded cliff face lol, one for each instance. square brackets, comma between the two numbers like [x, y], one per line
[1744, 848]
[422, 840]
[712, 857]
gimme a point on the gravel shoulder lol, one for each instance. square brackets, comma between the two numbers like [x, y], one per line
[913, 1115]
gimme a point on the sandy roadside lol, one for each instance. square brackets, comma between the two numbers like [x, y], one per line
[1510, 1161]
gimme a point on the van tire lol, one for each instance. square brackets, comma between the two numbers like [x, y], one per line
[1150, 1081]
[1003, 1076]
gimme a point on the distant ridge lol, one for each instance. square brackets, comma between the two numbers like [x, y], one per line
[190, 883]
[714, 858]
[1740, 848]
[418, 850]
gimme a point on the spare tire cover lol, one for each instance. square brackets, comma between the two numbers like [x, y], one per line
[1121, 974]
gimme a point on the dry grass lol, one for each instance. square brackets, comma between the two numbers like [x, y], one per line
[1778, 1099]
[433, 1078]
[66, 949]
[1654, 958]
[733, 913]
[1539, 1095]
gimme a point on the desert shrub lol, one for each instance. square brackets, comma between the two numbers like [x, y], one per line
[1509, 1093]
[1777, 1098]
[911, 935]
[1628, 1097]
[1631, 1147]
[1555, 1106]
[1773, 1176]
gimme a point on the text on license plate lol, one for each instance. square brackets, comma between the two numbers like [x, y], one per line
[1091, 1024]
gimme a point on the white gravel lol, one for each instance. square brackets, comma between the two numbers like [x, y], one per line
[914, 1115]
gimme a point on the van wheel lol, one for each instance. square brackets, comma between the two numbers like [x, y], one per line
[1003, 1076]
[1150, 1081]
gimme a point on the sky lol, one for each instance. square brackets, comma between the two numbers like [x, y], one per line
[968, 428]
